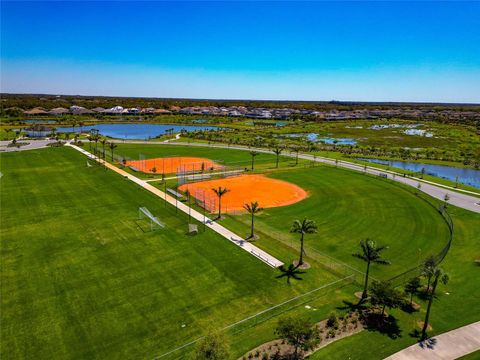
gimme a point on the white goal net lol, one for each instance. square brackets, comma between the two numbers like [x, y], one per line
[145, 214]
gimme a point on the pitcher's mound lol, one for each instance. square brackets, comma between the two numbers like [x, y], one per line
[170, 165]
[245, 189]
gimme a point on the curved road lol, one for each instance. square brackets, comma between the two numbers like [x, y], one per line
[458, 197]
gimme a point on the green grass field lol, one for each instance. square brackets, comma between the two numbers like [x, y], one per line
[348, 207]
[456, 303]
[81, 279]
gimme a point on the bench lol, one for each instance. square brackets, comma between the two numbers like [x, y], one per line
[198, 177]
[383, 175]
[174, 193]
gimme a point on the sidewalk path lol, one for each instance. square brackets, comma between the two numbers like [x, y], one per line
[230, 236]
[447, 346]
[458, 197]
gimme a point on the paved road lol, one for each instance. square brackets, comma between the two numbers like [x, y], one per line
[33, 144]
[458, 197]
[447, 346]
[229, 235]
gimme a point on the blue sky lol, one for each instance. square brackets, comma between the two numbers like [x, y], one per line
[368, 51]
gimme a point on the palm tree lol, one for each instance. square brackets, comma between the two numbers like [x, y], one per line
[438, 275]
[296, 150]
[428, 270]
[112, 146]
[96, 138]
[303, 227]
[103, 142]
[277, 151]
[80, 124]
[90, 139]
[370, 254]
[8, 131]
[220, 192]
[252, 208]
[290, 272]
[253, 154]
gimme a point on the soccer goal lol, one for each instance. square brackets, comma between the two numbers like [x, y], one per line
[145, 214]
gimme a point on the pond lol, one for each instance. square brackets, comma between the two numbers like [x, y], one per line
[136, 131]
[265, 123]
[327, 140]
[394, 126]
[465, 176]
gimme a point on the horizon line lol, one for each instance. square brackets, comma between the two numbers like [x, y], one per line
[253, 100]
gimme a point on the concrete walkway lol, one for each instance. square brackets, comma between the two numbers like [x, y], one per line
[230, 236]
[447, 346]
[458, 197]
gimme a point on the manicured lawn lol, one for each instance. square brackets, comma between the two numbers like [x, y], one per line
[348, 207]
[449, 311]
[80, 279]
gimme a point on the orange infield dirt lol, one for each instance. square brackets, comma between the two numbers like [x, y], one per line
[245, 189]
[170, 165]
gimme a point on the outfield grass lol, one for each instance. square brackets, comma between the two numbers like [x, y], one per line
[348, 207]
[80, 279]
[458, 308]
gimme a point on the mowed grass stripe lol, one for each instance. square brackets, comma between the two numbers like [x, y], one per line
[80, 279]
[347, 208]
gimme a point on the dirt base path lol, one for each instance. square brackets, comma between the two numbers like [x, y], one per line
[246, 189]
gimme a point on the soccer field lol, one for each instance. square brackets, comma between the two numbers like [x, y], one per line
[80, 279]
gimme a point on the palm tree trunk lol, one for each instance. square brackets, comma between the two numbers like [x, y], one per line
[278, 155]
[219, 207]
[252, 227]
[112, 154]
[427, 315]
[365, 287]
[428, 284]
[253, 161]
[300, 261]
